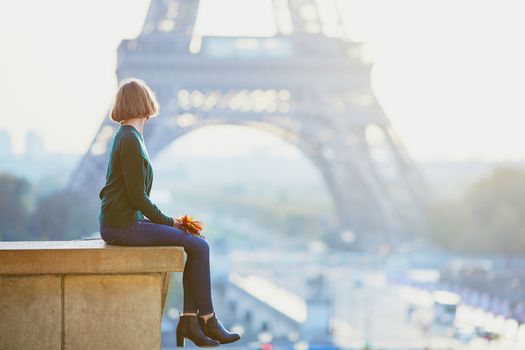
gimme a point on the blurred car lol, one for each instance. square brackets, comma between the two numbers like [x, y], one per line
[465, 334]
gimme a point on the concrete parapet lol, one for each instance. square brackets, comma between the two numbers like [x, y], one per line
[83, 294]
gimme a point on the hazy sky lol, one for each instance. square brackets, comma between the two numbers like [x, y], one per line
[450, 74]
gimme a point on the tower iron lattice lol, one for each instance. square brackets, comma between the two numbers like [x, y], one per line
[308, 84]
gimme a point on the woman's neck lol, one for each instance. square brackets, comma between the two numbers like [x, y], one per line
[137, 123]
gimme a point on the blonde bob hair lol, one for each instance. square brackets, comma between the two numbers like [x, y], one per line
[134, 99]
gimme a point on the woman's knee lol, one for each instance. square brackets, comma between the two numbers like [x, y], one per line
[203, 246]
[198, 246]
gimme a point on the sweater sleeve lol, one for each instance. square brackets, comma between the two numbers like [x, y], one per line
[134, 171]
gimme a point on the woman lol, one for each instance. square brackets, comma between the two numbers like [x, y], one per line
[125, 203]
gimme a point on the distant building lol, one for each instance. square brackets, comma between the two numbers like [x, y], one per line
[34, 145]
[6, 149]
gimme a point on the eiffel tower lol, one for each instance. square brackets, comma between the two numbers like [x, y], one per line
[308, 84]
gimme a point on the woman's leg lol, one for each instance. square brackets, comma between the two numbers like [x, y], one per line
[189, 306]
[196, 275]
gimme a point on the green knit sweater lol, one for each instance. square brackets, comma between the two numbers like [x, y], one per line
[125, 197]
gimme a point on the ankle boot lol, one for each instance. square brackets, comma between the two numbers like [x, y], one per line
[215, 330]
[189, 327]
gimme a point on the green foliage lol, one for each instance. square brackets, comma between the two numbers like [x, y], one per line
[490, 218]
[64, 215]
[14, 208]
[26, 215]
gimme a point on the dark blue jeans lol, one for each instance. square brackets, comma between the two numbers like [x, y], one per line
[196, 275]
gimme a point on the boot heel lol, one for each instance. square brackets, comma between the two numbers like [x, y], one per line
[180, 341]
[190, 328]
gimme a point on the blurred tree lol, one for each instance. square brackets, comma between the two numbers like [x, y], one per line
[14, 208]
[497, 207]
[64, 215]
[489, 219]
[450, 222]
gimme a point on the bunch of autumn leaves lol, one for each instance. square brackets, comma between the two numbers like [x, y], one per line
[188, 224]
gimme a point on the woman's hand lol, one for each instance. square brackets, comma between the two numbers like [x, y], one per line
[176, 224]
[187, 224]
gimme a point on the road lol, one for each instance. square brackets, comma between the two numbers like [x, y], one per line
[368, 310]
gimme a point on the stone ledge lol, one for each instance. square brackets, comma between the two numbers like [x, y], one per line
[86, 257]
[84, 294]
